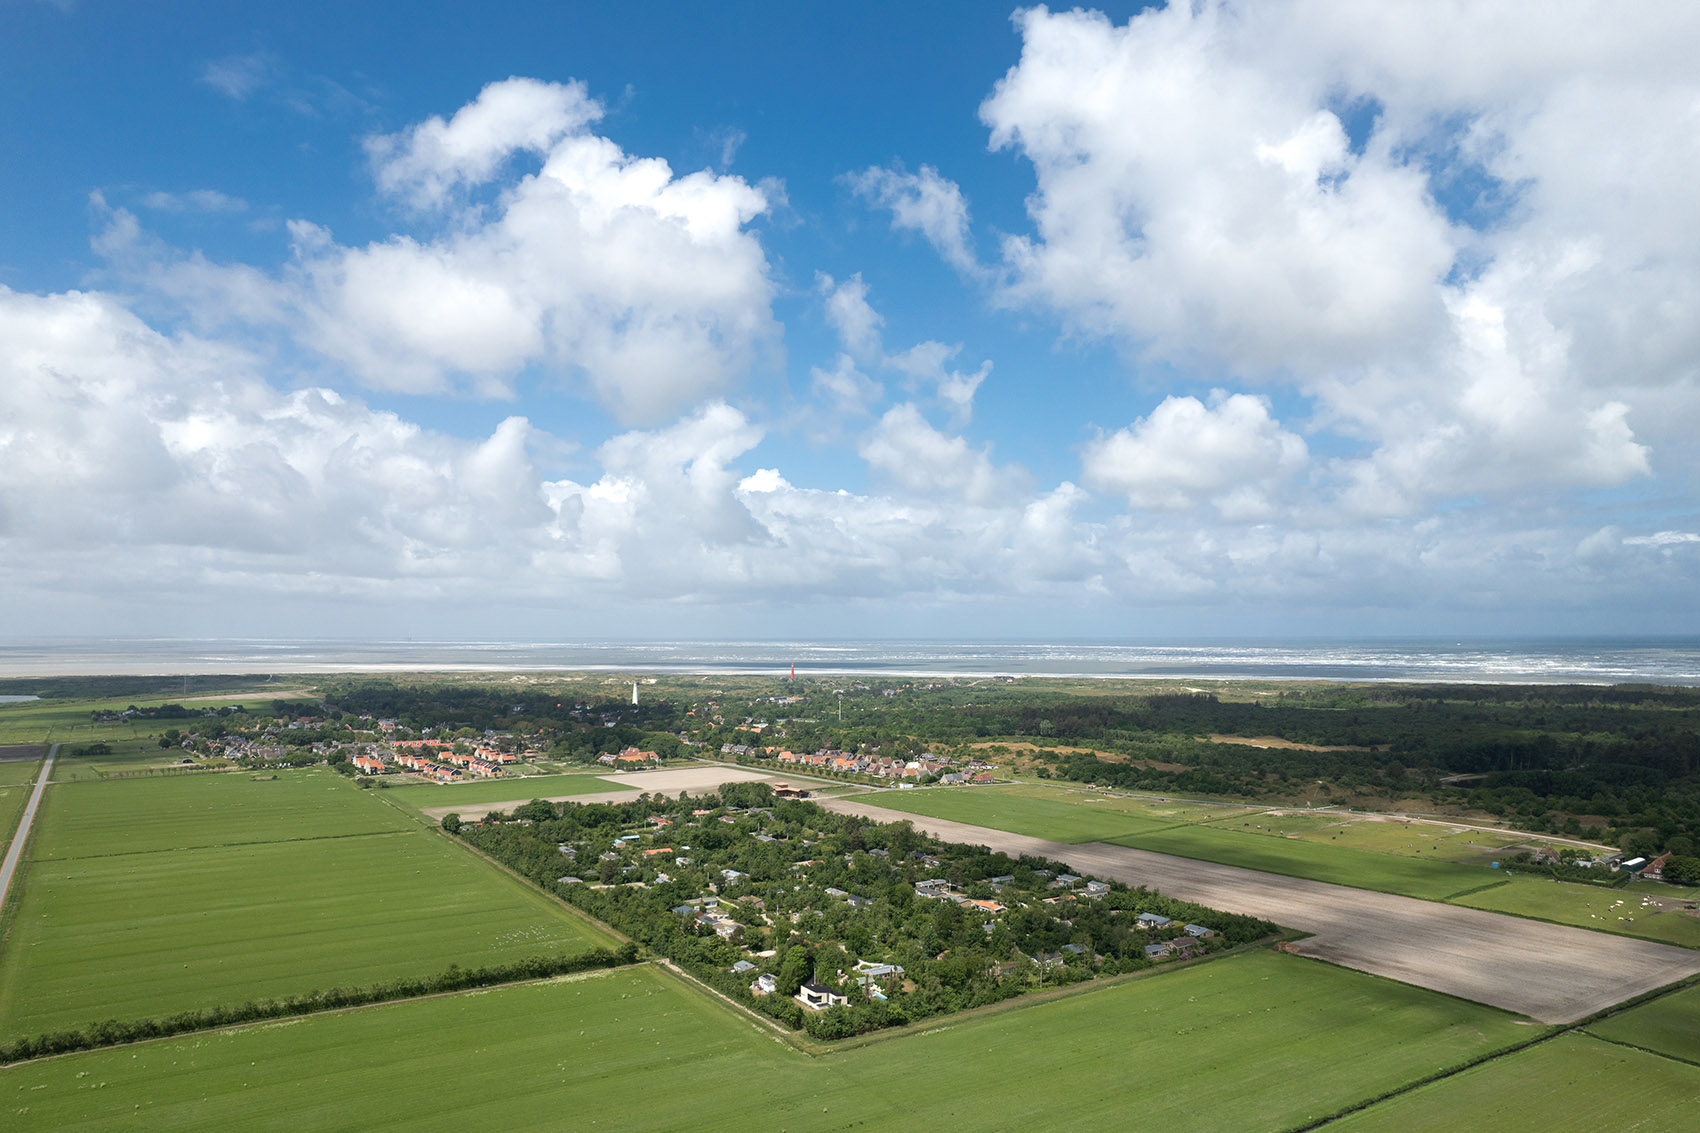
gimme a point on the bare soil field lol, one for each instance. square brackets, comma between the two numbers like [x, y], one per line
[630, 785]
[1550, 973]
[17, 753]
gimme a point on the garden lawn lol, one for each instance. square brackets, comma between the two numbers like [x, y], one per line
[1588, 906]
[1256, 1041]
[1572, 1082]
[293, 885]
[1669, 1025]
[1036, 812]
[1294, 857]
[128, 816]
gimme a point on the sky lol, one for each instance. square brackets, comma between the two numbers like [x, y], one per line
[565, 321]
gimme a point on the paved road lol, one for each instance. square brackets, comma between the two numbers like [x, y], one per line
[17, 850]
[1551, 973]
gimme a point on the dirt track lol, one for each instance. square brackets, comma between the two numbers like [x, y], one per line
[1551, 973]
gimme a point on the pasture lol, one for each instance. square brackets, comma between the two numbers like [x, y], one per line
[17, 777]
[1042, 812]
[128, 758]
[482, 792]
[1572, 1082]
[1354, 832]
[69, 719]
[1629, 911]
[1361, 869]
[147, 897]
[1669, 1025]
[131, 816]
[1257, 1041]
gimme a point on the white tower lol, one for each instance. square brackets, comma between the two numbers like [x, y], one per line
[634, 692]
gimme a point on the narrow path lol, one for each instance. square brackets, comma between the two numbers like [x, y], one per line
[23, 834]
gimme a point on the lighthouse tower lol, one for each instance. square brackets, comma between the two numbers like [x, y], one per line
[634, 692]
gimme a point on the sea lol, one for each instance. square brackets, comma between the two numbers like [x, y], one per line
[1663, 661]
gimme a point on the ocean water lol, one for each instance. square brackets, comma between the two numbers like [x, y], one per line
[1669, 661]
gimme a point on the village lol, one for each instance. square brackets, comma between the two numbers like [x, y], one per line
[799, 912]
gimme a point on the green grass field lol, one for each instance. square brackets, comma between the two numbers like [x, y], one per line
[1043, 812]
[68, 720]
[1669, 1024]
[299, 884]
[1587, 906]
[1412, 839]
[17, 778]
[1257, 1041]
[1362, 869]
[1572, 1082]
[131, 816]
[484, 791]
[128, 758]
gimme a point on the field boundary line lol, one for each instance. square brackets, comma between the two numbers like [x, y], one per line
[1578, 1027]
[285, 1018]
[1642, 1049]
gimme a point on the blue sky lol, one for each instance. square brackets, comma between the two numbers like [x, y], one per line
[690, 320]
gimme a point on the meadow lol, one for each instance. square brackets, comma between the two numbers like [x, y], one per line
[1571, 1082]
[1669, 1024]
[17, 777]
[1413, 839]
[1047, 812]
[481, 791]
[147, 897]
[1255, 1041]
[131, 816]
[1361, 869]
[69, 720]
[1590, 906]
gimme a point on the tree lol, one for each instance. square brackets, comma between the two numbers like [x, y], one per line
[1682, 869]
[451, 823]
[794, 970]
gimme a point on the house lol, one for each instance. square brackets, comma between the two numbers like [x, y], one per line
[734, 875]
[1156, 951]
[1152, 920]
[988, 906]
[743, 966]
[932, 887]
[1064, 880]
[765, 985]
[1002, 880]
[1655, 869]
[819, 997]
[833, 891]
[1199, 931]
[1097, 888]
